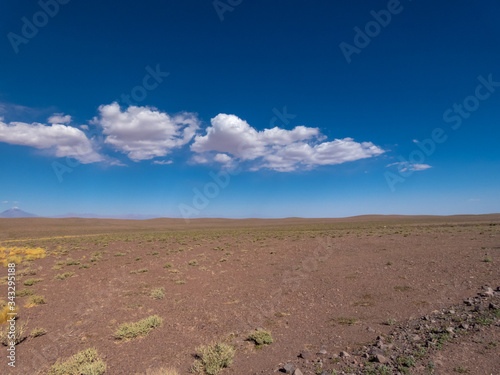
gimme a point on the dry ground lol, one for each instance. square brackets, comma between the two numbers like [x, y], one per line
[314, 284]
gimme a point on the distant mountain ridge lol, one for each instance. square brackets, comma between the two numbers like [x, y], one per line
[15, 212]
[95, 216]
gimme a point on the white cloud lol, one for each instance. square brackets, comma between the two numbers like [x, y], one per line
[4, 202]
[62, 140]
[419, 167]
[279, 149]
[223, 158]
[162, 162]
[404, 166]
[144, 132]
[59, 118]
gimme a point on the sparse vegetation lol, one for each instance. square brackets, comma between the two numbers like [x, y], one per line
[193, 262]
[213, 358]
[158, 293]
[344, 321]
[31, 282]
[140, 328]
[25, 292]
[19, 335]
[86, 362]
[261, 338]
[37, 332]
[36, 300]
[64, 275]
[168, 265]
[390, 322]
[162, 371]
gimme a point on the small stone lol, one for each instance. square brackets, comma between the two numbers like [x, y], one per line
[416, 338]
[322, 352]
[344, 354]
[375, 351]
[450, 330]
[366, 355]
[370, 329]
[297, 372]
[464, 326]
[289, 367]
[488, 292]
[381, 359]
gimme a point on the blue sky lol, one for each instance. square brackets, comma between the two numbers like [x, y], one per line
[313, 109]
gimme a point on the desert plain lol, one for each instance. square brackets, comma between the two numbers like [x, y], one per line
[361, 295]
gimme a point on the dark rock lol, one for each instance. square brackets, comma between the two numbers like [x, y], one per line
[305, 355]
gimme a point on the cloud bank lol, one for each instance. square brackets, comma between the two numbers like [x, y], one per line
[61, 140]
[145, 133]
[278, 149]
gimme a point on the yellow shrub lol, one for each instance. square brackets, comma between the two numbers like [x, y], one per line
[19, 254]
[4, 312]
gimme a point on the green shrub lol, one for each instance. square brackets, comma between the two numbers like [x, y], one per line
[64, 275]
[158, 293]
[214, 358]
[36, 300]
[140, 328]
[25, 292]
[86, 362]
[31, 282]
[261, 338]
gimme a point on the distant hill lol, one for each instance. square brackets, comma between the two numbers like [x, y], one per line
[15, 212]
[96, 216]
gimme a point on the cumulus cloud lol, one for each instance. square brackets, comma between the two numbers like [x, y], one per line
[404, 166]
[62, 140]
[144, 132]
[278, 149]
[163, 162]
[59, 118]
